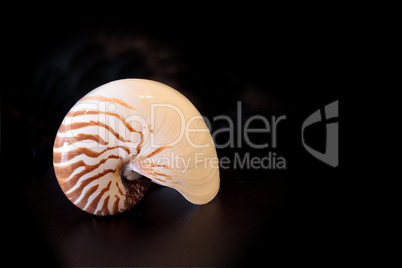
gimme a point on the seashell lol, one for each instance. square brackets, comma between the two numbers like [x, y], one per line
[122, 135]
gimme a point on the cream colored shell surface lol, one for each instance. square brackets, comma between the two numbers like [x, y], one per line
[139, 125]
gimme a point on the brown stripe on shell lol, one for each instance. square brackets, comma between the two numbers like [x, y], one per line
[149, 165]
[115, 208]
[77, 125]
[65, 172]
[91, 112]
[94, 204]
[139, 146]
[75, 194]
[104, 210]
[121, 118]
[84, 200]
[134, 190]
[64, 141]
[59, 157]
[102, 98]
[157, 151]
[118, 188]
[154, 175]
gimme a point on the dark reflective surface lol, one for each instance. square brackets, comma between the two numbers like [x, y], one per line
[162, 229]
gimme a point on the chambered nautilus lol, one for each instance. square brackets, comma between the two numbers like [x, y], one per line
[124, 135]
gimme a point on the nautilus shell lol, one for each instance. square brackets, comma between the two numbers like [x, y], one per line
[125, 134]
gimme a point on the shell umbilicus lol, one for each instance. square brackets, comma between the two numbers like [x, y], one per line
[122, 135]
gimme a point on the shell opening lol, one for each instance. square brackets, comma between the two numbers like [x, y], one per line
[130, 175]
[135, 186]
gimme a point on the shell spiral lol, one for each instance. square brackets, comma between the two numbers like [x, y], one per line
[127, 128]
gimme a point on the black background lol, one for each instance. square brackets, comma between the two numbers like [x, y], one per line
[287, 64]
